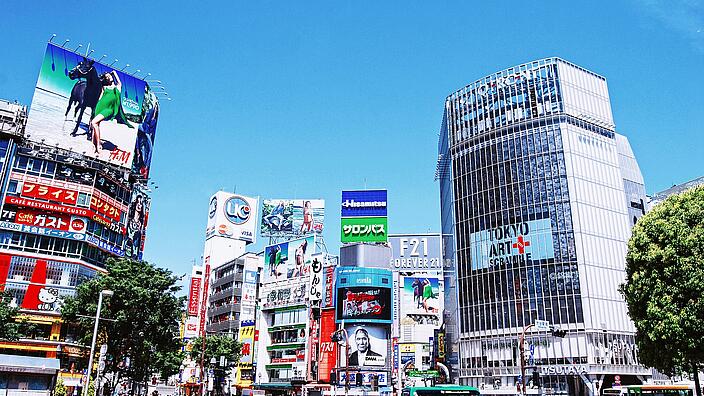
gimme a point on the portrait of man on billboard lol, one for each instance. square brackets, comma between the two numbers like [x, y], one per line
[370, 346]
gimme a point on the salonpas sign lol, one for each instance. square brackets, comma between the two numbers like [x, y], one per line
[364, 229]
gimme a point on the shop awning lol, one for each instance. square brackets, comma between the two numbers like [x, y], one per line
[28, 364]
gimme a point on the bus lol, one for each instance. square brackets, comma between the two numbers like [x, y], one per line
[440, 390]
[649, 390]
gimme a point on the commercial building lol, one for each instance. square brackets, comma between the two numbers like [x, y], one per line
[71, 199]
[675, 189]
[538, 196]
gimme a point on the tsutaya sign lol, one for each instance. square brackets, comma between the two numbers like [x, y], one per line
[512, 244]
[563, 369]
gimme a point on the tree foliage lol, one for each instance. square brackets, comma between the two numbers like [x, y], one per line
[60, 388]
[216, 346]
[13, 327]
[143, 336]
[665, 283]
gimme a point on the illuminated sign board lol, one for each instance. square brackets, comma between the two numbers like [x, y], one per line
[363, 295]
[364, 203]
[232, 216]
[364, 229]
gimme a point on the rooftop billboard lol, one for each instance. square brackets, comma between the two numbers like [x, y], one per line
[292, 217]
[90, 108]
[232, 216]
[288, 260]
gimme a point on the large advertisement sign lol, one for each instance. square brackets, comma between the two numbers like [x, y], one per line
[54, 194]
[512, 245]
[328, 348]
[292, 217]
[84, 106]
[232, 216]
[363, 229]
[137, 216]
[363, 216]
[329, 279]
[368, 346]
[364, 203]
[364, 303]
[421, 295]
[315, 284]
[416, 252]
[288, 260]
[43, 223]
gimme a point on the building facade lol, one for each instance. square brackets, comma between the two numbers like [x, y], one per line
[538, 196]
[71, 199]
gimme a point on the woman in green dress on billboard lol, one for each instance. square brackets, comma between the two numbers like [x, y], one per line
[109, 107]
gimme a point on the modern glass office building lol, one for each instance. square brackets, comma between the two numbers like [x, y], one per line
[538, 197]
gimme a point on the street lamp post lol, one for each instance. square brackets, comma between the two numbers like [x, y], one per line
[523, 357]
[95, 335]
[343, 332]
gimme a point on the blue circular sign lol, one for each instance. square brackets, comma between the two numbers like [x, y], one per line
[237, 210]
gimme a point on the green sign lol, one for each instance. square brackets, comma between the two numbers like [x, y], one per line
[423, 373]
[364, 229]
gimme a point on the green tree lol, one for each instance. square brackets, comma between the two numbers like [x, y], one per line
[144, 315]
[13, 327]
[216, 346]
[60, 388]
[665, 284]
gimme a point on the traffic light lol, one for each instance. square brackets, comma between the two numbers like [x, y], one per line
[375, 382]
[359, 379]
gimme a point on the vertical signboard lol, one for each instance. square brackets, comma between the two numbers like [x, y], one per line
[328, 348]
[364, 216]
[315, 285]
[232, 216]
[204, 298]
[194, 296]
[329, 295]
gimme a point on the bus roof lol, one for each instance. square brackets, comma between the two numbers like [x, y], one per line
[442, 387]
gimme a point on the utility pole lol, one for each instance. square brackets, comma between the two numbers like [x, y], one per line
[523, 358]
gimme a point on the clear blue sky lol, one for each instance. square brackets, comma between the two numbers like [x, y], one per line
[306, 98]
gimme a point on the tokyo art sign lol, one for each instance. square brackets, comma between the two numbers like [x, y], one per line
[512, 244]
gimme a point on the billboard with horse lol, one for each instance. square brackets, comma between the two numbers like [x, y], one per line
[82, 105]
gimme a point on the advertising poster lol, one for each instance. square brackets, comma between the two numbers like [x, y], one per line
[329, 290]
[88, 107]
[315, 284]
[420, 295]
[232, 216]
[194, 296]
[292, 217]
[512, 245]
[288, 260]
[137, 215]
[368, 346]
[286, 294]
[364, 303]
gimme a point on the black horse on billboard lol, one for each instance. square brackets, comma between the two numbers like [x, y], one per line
[86, 92]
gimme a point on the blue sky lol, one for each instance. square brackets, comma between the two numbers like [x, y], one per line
[301, 99]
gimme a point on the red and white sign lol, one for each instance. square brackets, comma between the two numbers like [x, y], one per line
[284, 360]
[56, 194]
[328, 349]
[29, 203]
[103, 207]
[193, 296]
[41, 219]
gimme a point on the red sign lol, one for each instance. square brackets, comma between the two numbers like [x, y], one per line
[328, 348]
[29, 203]
[40, 219]
[193, 295]
[105, 208]
[56, 194]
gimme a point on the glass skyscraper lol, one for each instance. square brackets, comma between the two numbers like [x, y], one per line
[538, 197]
